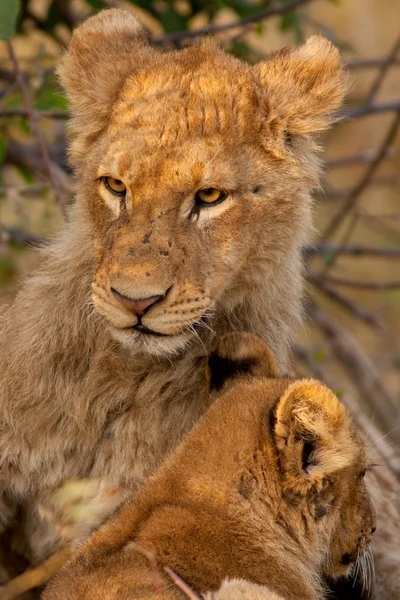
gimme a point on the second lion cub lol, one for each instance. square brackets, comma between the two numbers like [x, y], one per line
[267, 488]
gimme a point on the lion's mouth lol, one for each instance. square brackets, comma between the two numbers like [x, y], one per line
[145, 330]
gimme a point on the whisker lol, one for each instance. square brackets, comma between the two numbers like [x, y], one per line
[383, 436]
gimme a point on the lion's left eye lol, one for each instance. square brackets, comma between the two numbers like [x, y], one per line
[115, 186]
[210, 196]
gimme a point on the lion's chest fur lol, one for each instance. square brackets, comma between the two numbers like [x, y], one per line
[115, 423]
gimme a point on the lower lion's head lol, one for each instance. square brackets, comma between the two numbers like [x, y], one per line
[302, 462]
[189, 163]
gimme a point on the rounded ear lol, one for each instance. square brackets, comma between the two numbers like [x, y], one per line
[314, 434]
[236, 354]
[103, 51]
[302, 87]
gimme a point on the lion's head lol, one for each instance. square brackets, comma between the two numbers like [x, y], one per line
[195, 170]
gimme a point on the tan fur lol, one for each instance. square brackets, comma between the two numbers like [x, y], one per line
[268, 488]
[81, 393]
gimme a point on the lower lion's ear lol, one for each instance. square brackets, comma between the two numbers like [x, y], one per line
[236, 354]
[313, 433]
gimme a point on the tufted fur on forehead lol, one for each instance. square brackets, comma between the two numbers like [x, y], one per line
[290, 93]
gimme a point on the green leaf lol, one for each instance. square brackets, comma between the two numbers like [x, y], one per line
[3, 148]
[26, 175]
[7, 269]
[9, 10]
[319, 356]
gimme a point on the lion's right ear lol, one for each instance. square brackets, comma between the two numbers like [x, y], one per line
[314, 435]
[103, 51]
[236, 354]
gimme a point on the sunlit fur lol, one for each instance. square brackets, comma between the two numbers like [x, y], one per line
[81, 393]
[267, 488]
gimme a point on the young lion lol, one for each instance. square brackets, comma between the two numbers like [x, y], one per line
[268, 488]
[194, 173]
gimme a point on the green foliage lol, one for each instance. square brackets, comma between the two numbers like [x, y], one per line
[9, 10]
[7, 269]
[173, 15]
[319, 356]
[3, 148]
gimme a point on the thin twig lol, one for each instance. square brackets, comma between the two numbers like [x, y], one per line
[38, 114]
[369, 63]
[358, 190]
[36, 577]
[347, 303]
[376, 84]
[342, 194]
[366, 110]
[182, 585]
[274, 10]
[360, 158]
[19, 236]
[361, 285]
[33, 121]
[353, 249]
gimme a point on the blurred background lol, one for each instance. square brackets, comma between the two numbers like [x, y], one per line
[351, 336]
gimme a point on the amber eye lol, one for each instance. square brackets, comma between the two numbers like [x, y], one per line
[115, 186]
[210, 196]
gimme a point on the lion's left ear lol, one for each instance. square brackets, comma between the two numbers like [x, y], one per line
[313, 433]
[236, 354]
[302, 86]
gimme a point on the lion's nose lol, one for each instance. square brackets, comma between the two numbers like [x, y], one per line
[138, 306]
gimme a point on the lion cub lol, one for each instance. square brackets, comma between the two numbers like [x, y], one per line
[267, 488]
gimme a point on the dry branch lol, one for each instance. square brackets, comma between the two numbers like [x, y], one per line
[376, 85]
[361, 285]
[369, 63]
[34, 578]
[360, 158]
[365, 180]
[37, 114]
[368, 109]
[182, 585]
[347, 303]
[19, 236]
[354, 249]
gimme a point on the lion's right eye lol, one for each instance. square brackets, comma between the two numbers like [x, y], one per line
[208, 196]
[115, 186]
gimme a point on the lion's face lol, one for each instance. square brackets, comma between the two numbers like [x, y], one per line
[194, 170]
[181, 232]
[352, 536]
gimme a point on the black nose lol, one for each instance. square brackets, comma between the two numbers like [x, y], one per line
[137, 306]
[373, 529]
